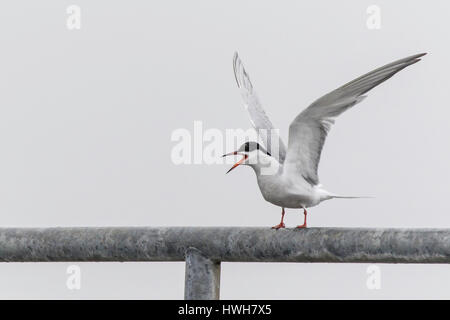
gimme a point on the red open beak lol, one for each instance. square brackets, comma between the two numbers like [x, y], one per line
[237, 163]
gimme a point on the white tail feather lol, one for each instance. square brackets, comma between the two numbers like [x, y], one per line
[351, 197]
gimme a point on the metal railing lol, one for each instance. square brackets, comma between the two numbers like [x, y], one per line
[204, 248]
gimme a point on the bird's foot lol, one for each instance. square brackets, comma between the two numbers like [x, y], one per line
[303, 226]
[279, 226]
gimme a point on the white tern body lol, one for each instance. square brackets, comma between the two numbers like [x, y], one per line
[293, 181]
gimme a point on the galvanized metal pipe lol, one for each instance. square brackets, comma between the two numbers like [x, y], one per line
[202, 280]
[226, 244]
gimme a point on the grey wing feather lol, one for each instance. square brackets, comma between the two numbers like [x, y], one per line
[308, 131]
[259, 119]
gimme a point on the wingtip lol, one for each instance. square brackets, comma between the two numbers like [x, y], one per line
[416, 58]
[235, 56]
[235, 62]
[414, 61]
[419, 55]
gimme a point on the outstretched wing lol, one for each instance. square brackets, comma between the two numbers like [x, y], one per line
[308, 131]
[262, 124]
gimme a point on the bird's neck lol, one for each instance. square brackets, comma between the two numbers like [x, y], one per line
[266, 166]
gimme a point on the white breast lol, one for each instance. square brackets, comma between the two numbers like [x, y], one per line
[284, 192]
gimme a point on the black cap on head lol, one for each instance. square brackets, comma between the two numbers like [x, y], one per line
[251, 146]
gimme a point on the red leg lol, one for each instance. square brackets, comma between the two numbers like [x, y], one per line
[281, 224]
[304, 223]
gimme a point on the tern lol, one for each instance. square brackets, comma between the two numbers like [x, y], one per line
[295, 183]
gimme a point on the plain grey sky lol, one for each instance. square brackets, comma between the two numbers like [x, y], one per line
[86, 118]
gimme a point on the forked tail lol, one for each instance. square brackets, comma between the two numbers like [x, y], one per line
[326, 195]
[351, 197]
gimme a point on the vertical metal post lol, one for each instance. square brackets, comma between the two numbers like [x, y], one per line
[202, 279]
